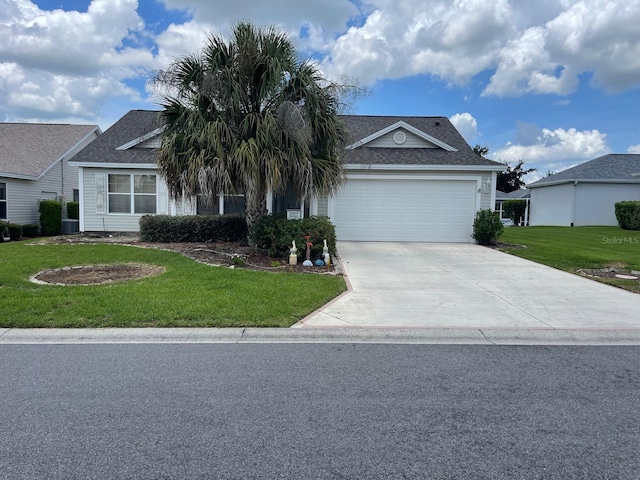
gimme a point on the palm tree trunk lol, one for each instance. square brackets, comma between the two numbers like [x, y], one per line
[255, 204]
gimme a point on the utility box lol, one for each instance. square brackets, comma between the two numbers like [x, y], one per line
[70, 226]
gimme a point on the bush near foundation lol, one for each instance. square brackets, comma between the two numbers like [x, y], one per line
[192, 228]
[14, 230]
[273, 235]
[30, 230]
[628, 215]
[50, 217]
[73, 210]
[487, 227]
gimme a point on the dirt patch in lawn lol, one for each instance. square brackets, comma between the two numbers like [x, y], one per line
[97, 274]
[221, 254]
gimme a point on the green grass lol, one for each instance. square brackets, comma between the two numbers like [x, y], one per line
[188, 294]
[571, 248]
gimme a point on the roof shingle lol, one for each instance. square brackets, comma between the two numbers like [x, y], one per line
[139, 122]
[623, 167]
[28, 149]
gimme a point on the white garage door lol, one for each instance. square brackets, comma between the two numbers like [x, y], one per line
[405, 210]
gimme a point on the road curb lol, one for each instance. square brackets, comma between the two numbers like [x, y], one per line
[423, 336]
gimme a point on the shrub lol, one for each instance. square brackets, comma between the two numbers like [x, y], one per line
[628, 215]
[12, 229]
[487, 227]
[30, 230]
[192, 228]
[515, 210]
[273, 235]
[73, 210]
[50, 217]
[15, 231]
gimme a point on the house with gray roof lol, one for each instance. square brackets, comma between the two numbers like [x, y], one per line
[34, 165]
[407, 179]
[586, 194]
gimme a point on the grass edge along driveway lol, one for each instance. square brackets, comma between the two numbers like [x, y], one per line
[188, 294]
[572, 248]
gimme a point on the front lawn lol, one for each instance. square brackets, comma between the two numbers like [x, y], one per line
[188, 294]
[572, 248]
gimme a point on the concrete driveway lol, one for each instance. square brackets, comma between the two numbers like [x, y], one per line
[467, 286]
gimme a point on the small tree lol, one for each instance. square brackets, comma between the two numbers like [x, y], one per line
[515, 210]
[487, 227]
[511, 179]
[481, 150]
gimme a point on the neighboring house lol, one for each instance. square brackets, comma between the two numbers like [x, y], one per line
[34, 166]
[586, 194]
[520, 194]
[407, 179]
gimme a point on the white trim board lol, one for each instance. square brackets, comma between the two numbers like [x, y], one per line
[139, 140]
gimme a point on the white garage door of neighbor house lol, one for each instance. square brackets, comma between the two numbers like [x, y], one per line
[405, 210]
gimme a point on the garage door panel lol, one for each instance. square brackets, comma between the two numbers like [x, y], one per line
[405, 210]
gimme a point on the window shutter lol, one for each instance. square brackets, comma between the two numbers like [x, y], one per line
[163, 197]
[101, 193]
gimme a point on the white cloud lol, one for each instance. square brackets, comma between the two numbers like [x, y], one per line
[633, 149]
[319, 20]
[553, 149]
[57, 63]
[466, 125]
[452, 40]
[534, 47]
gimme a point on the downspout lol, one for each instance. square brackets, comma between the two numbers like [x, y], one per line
[573, 206]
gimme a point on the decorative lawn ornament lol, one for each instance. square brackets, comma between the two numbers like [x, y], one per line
[325, 254]
[293, 258]
[319, 263]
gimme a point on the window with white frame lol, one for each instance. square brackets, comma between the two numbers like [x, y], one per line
[226, 204]
[132, 194]
[3, 200]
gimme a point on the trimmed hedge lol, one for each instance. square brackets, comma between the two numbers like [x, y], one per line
[192, 228]
[487, 227]
[273, 235]
[50, 217]
[15, 230]
[30, 230]
[628, 215]
[73, 210]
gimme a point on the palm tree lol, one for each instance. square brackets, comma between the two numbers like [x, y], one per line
[247, 116]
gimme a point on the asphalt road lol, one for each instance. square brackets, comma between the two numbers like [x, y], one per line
[318, 411]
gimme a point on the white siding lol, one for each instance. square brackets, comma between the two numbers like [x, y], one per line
[595, 202]
[552, 205]
[323, 206]
[412, 141]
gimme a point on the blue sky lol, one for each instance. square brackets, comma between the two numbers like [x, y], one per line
[551, 82]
